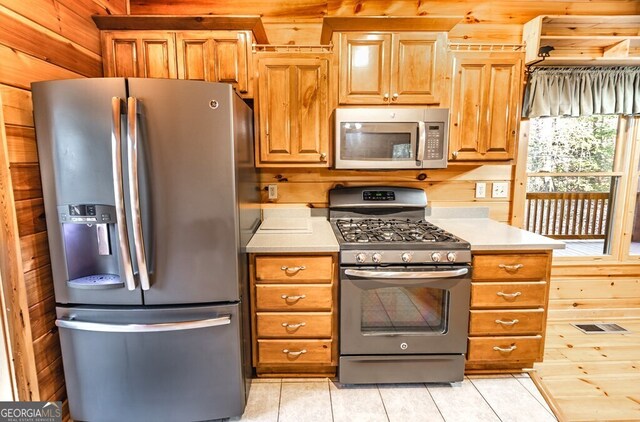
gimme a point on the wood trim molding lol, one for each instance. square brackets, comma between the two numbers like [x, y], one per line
[386, 23]
[184, 23]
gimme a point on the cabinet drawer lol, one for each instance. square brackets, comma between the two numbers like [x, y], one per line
[506, 322]
[508, 295]
[294, 297]
[296, 269]
[510, 267]
[505, 348]
[294, 351]
[293, 324]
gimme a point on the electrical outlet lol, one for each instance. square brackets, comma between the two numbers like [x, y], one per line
[500, 190]
[273, 192]
[481, 189]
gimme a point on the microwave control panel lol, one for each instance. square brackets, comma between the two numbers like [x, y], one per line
[434, 145]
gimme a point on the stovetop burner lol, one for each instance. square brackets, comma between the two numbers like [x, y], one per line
[391, 230]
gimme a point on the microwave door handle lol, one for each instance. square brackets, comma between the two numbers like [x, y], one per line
[422, 142]
[410, 275]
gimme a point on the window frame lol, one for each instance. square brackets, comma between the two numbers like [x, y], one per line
[625, 168]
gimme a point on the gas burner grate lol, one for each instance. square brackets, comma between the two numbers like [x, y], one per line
[392, 231]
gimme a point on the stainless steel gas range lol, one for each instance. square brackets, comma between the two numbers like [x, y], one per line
[404, 289]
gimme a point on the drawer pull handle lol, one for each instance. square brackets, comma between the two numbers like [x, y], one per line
[509, 295]
[293, 326]
[292, 270]
[290, 353]
[293, 298]
[512, 322]
[505, 350]
[513, 268]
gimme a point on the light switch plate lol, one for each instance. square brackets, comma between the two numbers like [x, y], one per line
[500, 190]
[481, 189]
[273, 192]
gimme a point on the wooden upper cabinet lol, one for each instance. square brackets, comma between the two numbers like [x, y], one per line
[365, 65]
[485, 108]
[398, 68]
[418, 62]
[216, 56]
[143, 54]
[293, 110]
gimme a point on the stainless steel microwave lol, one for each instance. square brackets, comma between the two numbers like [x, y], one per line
[391, 138]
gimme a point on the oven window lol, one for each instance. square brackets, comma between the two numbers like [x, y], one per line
[378, 141]
[404, 310]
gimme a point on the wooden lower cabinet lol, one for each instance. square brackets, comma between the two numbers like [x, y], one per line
[294, 314]
[509, 299]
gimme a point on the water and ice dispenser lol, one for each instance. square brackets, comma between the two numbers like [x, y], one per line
[89, 236]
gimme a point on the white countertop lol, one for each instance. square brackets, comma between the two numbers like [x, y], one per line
[485, 234]
[320, 239]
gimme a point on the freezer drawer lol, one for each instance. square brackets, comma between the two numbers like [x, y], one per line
[160, 364]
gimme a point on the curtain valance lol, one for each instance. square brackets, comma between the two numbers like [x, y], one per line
[582, 91]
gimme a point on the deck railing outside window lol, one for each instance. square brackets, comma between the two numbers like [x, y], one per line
[573, 215]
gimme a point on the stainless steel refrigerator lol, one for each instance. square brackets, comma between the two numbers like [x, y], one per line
[150, 194]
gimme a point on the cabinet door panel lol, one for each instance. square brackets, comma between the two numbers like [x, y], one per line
[124, 58]
[232, 59]
[293, 96]
[147, 54]
[158, 58]
[195, 56]
[311, 110]
[216, 56]
[468, 99]
[416, 63]
[486, 105]
[364, 68]
[503, 104]
[275, 110]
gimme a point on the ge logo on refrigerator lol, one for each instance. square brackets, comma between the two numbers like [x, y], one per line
[404, 346]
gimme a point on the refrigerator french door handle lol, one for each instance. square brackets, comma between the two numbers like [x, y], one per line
[414, 275]
[132, 148]
[118, 190]
[72, 324]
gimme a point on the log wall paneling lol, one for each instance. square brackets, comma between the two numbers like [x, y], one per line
[484, 20]
[451, 187]
[15, 296]
[39, 40]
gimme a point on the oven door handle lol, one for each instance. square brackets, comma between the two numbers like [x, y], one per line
[407, 274]
[422, 142]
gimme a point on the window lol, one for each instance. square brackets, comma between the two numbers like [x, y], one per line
[576, 182]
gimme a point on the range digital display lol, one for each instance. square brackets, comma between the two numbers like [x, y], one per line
[378, 195]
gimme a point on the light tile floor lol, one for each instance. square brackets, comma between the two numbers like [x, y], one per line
[478, 398]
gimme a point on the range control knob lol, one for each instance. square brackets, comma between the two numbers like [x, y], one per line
[406, 257]
[360, 258]
[436, 257]
[451, 257]
[377, 258]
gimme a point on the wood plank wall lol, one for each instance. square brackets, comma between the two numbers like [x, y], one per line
[39, 40]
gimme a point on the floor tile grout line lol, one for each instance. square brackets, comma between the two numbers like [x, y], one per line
[547, 407]
[333, 418]
[279, 400]
[434, 402]
[485, 400]
[382, 400]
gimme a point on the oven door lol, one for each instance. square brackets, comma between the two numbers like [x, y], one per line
[404, 310]
[380, 145]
